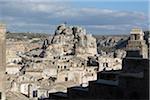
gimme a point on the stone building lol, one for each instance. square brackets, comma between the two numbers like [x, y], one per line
[109, 63]
[137, 43]
[132, 82]
[70, 59]
[2, 61]
[56, 65]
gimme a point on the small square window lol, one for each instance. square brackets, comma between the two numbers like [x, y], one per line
[64, 67]
[66, 78]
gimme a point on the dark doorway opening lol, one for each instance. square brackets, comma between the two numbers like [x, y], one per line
[66, 78]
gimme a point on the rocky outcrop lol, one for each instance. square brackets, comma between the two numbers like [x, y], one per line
[71, 40]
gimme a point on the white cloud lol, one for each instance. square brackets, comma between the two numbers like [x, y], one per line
[35, 15]
[49, 7]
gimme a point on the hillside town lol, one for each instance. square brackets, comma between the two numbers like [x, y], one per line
[74, 64]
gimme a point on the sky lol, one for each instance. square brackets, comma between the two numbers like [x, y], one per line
[96, 16]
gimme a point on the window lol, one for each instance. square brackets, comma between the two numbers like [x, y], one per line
[14, 61]
[103, 64]
[66, 78]
[137, 37]
[106, 64]
[82, 63]
[64, 67]
[96, 69]
[23, 72]
[22, 78]
[35, 93]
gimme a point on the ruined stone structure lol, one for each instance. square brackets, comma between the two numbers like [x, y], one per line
[137, 43]
[2, 61]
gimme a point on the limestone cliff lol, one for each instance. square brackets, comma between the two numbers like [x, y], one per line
[71, 40]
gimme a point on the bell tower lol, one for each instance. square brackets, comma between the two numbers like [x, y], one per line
[2, 60]
[137, 44]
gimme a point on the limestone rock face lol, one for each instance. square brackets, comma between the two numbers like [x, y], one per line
[72, 40]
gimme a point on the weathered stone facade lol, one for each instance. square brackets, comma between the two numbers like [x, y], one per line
[137, 43]
[109, 63]
[131, 82]
[2, 61]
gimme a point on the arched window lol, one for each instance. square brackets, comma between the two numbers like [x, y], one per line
[106, 64]
[64, 67]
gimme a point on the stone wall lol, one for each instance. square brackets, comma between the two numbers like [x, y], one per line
[2, 61]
